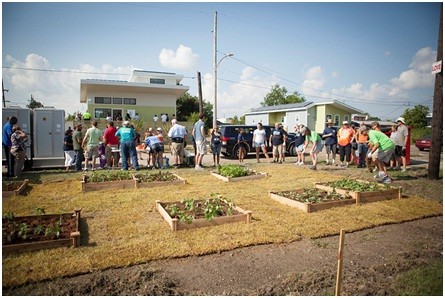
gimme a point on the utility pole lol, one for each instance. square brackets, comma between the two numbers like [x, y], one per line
[215, 65]
[3, 92]
[200, 92]
[436, 123]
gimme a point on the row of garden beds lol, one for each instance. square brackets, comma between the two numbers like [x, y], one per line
[28, 233]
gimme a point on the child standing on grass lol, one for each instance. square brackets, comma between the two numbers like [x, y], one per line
[241, 148]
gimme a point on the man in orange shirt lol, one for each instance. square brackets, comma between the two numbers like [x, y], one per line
[345, 135]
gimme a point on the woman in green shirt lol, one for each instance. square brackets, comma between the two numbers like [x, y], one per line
[312, 136]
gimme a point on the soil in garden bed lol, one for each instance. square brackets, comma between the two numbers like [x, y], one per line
[152, 177]
[198, 211]
[34, 229]
[312, 195]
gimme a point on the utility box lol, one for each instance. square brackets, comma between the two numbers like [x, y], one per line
[24, 121]
[49, 132]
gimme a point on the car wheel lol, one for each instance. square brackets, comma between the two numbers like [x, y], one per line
[292, 150]
[236, 151]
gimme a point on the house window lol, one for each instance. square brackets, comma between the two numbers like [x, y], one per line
[346, 118]
[328, 116]
[129, 101]
[336, 120]
[117, 100]
[101, 113]
[282, 119]
[297, 118]
[102, 100]
[157, 81]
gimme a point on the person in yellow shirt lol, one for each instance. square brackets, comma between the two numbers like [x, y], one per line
[345, 135]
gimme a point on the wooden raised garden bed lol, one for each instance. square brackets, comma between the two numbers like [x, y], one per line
[157, 179]
[30, 233]
[192, 214]
[108, 179]
[311, 199]
[362, 191]
[232, 173]
[13, 188]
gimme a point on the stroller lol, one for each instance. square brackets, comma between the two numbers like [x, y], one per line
[102, 156]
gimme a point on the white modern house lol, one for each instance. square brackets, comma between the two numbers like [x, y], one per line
[147, 93]
[312, 115]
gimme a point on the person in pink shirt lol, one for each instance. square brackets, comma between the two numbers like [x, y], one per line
[111, 144]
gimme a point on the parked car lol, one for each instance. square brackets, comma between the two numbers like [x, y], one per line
[229, 139]
[424, 143]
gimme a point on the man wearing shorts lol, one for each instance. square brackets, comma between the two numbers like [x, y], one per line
[381, 152]
[91, 140]
[199, 135]
[330, 141]
[277, 139]
[177, 135]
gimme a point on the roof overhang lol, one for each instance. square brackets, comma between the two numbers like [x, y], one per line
[339, 105]
[87, 86]
[275, 111]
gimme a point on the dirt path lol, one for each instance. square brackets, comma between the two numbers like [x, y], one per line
[372, 259]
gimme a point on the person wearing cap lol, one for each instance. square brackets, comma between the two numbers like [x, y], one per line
[315, 139]
[345, 135]
[126, 135]
[330, 141]
[91, 140]
[362, 147]
[402, 140]
[381, 152]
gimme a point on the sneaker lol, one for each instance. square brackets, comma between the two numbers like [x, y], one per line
[380, 175]
[314, 168]
[327, 162]
[386, 180]
[403, 170]
[199, 168]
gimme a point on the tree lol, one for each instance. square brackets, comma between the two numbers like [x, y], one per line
[416, 117]
[278, 95]
[185, 106]
[33, 104]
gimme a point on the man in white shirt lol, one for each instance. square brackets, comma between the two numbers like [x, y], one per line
[177, 135]
[163, 118]
[155, 119]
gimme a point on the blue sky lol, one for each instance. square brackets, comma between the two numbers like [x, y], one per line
[374, 56]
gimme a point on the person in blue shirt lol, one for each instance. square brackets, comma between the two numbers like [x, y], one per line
[7, 144]
[156, 149]
[126, 135]
[299, 144]
[330, 141]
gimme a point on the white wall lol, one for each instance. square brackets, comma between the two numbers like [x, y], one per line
[294, 117]
[253, 119]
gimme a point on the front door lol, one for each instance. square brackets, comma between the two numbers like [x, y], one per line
[44, 134]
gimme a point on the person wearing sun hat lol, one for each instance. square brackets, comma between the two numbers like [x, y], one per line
[345, 136]
[402, 139]
[330, 141]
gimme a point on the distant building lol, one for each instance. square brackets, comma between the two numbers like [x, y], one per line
[147, 93]
[313, 115]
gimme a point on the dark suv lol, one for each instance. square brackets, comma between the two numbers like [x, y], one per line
[229, 138]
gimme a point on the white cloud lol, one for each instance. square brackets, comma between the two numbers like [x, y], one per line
[419, 73]
[240, 97]
[313, 83]
[60, 88]
[183, 58]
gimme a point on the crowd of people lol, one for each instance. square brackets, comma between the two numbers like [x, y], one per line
[354, 145]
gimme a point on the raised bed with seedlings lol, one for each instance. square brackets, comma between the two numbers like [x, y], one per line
[311, 199]
[362, 191]
[157, 179]
[29, 233]
[13, 188]
[191, 214]
[98, 180]
[232, 173]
